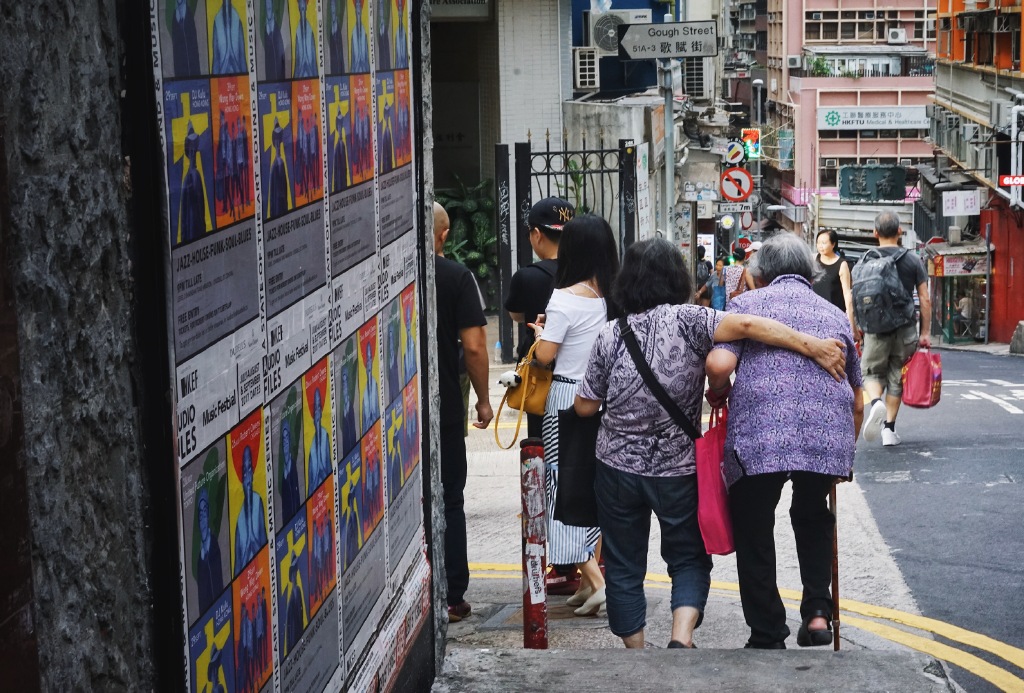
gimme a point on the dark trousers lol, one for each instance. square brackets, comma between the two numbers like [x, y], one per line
[535, 425]
[752, 503]
[453, 479]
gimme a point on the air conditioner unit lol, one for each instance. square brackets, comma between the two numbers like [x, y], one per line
[869, 15]
[871, 162]
[603, 28]
[999, 112]
[773, 85]
[906, 162]
[896, 35]
[969, 132]
[816, 15]
[586, 75]
[794, 62]
[831, 163]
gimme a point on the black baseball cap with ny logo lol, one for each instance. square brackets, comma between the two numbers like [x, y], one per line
[551, 213]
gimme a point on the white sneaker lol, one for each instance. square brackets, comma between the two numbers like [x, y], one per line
[890, 437]
[873, 420]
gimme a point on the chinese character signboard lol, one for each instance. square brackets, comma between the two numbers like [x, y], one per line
[291, 261]
[871, 117]
[668, 40]
[872, 184]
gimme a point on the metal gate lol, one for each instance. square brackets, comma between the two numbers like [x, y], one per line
[601, 180]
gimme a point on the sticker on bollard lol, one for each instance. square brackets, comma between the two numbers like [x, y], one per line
[534, 527]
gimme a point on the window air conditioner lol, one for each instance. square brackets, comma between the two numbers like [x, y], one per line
[871, 162]
[896, 35]
[586, 76]
[603, 28]
[794, 62]
[831, 163]
[816, 15]
[906, 162]
[869, 15]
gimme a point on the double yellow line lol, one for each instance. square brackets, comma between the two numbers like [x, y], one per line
[873, 622]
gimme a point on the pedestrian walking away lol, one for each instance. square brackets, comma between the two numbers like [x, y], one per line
[788, 421]
[459, 318]
[646, 459]
[883, 285]
[579, 307]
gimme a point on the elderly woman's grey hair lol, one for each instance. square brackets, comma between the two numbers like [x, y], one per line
[784, 253]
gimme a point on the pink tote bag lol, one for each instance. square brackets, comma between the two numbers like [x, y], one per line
[712, 495]
[922, 379]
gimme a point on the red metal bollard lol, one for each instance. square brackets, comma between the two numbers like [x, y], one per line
[535, 607]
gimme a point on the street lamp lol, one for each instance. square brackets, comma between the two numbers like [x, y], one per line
[758, 84]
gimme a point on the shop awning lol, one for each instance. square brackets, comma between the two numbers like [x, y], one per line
[959, 260]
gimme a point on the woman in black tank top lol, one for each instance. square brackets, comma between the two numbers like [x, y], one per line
[835, 285]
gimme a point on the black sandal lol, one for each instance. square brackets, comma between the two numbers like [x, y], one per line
[806, 637]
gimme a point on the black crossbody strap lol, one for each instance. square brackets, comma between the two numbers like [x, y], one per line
[651, 380]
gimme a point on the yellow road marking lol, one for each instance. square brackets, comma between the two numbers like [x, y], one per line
[505, 425]
[967, 661]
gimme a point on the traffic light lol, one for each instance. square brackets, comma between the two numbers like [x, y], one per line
[752, 142]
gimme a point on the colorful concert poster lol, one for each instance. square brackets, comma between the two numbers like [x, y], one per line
[394, 371]
[211, 649]
[287, 441]
[273, 41]
[183, 39]
[274, 105]
[292, 583]
[369, 375]
[385, 122]
[189, 159]
[228, 43]
[323, 566]
[232, 144]
[305, 63]
[401, 124]
[395, 432]
[373, 482]
[361, 155]
[204, 493]
[410, 354]
[307, 166]
[350, 483]
[346, 366]
[357, 17]
[252, 627]
[334, 33]
[383, 40]
[247, 490]
[339, 129]
[317, 424]
[411, 398]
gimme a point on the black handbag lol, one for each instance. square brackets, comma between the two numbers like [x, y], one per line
[575, 502]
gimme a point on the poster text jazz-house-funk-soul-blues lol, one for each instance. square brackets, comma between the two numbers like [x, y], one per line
[287, 138]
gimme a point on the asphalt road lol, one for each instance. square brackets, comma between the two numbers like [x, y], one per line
[949, 501]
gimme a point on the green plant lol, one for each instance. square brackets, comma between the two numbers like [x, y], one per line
[819, 67]
[574, 189]
[472, 240]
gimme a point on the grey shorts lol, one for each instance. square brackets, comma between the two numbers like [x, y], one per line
[885, 354]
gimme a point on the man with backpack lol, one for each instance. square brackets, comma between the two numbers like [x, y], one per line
[883, 294]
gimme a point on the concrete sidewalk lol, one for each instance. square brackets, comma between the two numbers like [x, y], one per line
[485, 650]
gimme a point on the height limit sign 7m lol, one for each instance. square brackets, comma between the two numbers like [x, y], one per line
[668, 40]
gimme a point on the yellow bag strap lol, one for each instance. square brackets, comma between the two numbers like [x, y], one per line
[519, 420]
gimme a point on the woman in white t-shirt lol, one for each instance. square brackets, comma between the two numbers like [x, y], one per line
[588, 261]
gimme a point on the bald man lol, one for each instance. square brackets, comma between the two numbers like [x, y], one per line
[459, 317]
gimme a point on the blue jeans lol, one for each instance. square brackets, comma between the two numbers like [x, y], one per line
[624, 505]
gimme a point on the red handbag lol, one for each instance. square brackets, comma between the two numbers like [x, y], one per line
[712, 495]
[922, 379]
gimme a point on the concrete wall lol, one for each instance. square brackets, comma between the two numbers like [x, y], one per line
[68, 259]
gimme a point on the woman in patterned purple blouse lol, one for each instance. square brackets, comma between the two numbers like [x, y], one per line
[646, 460]
[788, 422]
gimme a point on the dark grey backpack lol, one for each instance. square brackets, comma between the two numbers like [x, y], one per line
[880, 301]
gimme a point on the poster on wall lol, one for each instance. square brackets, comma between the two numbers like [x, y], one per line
[289, 214]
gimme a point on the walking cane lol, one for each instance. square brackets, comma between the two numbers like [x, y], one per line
[835, 568]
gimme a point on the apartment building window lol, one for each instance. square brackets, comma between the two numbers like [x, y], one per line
[924, 25]
[849, 25]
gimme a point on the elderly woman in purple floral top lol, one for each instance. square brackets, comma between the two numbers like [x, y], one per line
[647, 462]
[788, 421]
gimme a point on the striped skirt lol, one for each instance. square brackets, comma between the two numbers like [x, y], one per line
[565, 544]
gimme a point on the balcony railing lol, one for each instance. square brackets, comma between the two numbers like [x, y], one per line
[909, 67]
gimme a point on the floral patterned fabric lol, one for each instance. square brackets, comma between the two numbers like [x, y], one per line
[637, 435]
[785, 412]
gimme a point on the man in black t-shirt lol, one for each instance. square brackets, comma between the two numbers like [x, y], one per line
[885, 354]
[459, 317]
[531, 287]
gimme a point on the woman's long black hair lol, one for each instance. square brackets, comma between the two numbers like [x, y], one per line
[588, 251]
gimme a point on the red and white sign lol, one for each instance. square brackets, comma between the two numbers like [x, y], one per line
[737, 184]
[1011, 181]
